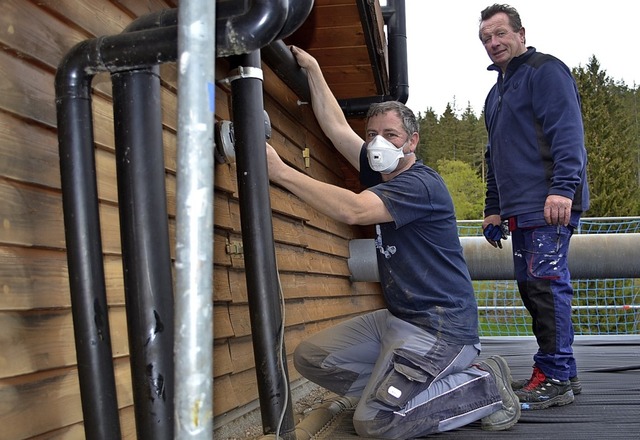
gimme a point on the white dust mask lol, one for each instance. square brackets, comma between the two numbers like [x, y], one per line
[384, 156]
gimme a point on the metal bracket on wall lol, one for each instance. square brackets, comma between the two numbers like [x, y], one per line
[306, 154]
[234, 247]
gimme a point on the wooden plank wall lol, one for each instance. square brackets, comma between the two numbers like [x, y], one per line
[39, 391]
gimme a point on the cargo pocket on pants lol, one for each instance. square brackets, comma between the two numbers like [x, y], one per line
[404, 379]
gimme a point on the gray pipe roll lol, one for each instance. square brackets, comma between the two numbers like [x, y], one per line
[591, 256]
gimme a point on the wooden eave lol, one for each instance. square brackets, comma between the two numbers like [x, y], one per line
[347, 38]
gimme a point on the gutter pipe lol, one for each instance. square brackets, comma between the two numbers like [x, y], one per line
[263, 284]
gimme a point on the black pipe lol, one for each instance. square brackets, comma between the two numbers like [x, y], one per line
[84, 247]
[80, 207]
[259, 249]
[297, 13]
[255, 28]
[146, 254]
[241, 26]
[396, 19]
[133, 49]
[278, 57]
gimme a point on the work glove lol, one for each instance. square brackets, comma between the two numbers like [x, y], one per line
[495, 233]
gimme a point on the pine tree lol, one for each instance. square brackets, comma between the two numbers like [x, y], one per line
[611, 147]
[428, 129]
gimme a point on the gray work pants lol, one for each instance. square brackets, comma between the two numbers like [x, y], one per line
[410, 383]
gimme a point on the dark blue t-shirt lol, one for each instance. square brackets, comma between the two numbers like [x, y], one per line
[425, 279]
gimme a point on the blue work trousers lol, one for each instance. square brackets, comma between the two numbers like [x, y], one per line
[540, 257]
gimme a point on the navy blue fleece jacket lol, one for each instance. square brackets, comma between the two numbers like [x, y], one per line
[535, 137]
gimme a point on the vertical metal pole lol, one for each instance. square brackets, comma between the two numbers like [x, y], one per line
[194, 242]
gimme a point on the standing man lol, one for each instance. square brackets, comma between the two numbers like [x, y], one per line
[537, 181]
[410, 365]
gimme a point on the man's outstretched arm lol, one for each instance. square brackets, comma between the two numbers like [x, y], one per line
[327, 110]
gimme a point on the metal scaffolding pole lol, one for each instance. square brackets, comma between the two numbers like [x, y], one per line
[194, 230]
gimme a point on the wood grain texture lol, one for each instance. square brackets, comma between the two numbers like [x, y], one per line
[39, 389]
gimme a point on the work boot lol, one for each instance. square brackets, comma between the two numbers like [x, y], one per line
[576, 386]
[508, 416]
[541, 392]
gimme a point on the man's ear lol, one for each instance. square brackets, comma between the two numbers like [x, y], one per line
[415, 140]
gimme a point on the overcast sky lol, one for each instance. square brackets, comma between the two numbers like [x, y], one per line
[448, 63]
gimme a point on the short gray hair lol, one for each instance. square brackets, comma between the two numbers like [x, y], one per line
[512, 13]
[409, 120]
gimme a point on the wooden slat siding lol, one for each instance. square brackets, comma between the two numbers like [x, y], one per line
[72, 432]
[348, 75]
[332, 57]
[28, 152]
[244, 388]
[334, 15]
[35, 299]
[308, 310]
[241, 349]
[223, 218]
[289, 232]
[221, 285]
[169, 102]
[320, 147]
[320, 241]
[222, 325]
[285, 111]
[43, 340]
[26, 91]
[286, 203]
[226, 397]
[326, 223]
[289, 103]
[24, 273]
[43, 402]
[322, 166]
[301, 285]
[220, 240]
[295, 259]
[322, 38]
[222, 358]
[95, 17]
[346, 90]
[45, 40]
[28, 272]
[31, 217]
[138, 8]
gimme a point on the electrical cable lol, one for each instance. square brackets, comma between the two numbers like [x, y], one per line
[280, 357]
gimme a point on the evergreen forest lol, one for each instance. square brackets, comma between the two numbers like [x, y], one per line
[454, 143]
